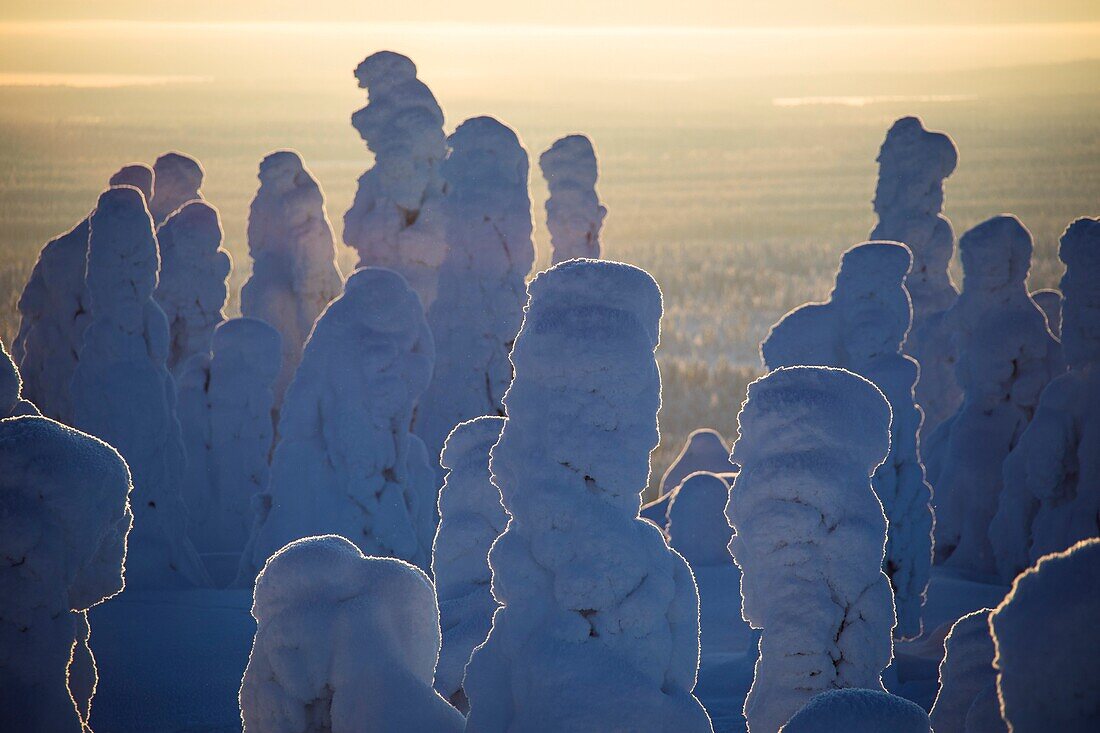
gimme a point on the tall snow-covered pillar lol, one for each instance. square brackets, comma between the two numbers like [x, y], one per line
[574, 214]
[599, 626]
[178, 178]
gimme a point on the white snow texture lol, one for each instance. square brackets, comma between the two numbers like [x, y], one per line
[294, 273]
[346, 463]
[598, 625]
[344, 644]
[574, 214]
[967, 699]
[810, 536]
[177, 180]
[705, 450]
[862, 328]
[859, 711]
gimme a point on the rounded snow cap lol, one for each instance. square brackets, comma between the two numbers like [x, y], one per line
[184, 171]
[249, 341]
[571, 158]
[912, 151]
[705, 450]
[485, 150]
[697, 524]
[473, 437]
[194, 226]
[874, 265]
[801, 408]
[123, 259]
[280, 168]
[996, 253]
[855, 710]
[138, 175]
[1080, 250]
[384, 69]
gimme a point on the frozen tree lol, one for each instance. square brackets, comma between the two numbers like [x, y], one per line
[705, 450]
[855, 710]
[967, 700]
[574, 214]
[225, 401]
[1006, 356]
[194, 270]
[479, 306]
[862, 328]
[698, 530]
[809, 537]
[294, 274]
[1051, 496]
[64, 517]
[122, 391]
[598, 627]
[12, 403]
[394, 221]
[54, 311]
[346, 463]
[1047, 644]
[1050, 302]
[913, 163]
[344, 644]
[471, 517]
[177, 180]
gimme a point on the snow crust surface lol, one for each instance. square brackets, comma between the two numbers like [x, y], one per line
[574, 214]
[858, 711]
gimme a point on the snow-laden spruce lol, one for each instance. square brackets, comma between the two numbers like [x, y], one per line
[1049, 301]
[862, 328]
[809, 537]
[699, 531]
[63, 522]
[123, 393]
[344, 644]
[705, 450]
[913, 163]
[598, 627]
[225, 401]
[294, 273]
[346, 463]
[574, 214]
[54, 310]
[855, 710]
[471, 517]
[395, 221]
[12, 403]
[479, 306]
[1047, 643]
[178, 178]
[967, 699]
[1006, 356]
[194, 272]
[1051, 496]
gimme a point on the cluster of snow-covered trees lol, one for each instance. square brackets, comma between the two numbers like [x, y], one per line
[430, 472]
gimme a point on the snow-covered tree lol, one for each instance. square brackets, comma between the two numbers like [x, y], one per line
[1047, 644]
[574, 214]
[178, 178]
[862, 328]
[855, 710]
[809, 537]
[705, 450]
[394, 221]
[598, 627]
[1050, 302]
[967, 699]
[55, 309]
[12, 403]
[63, 522]
[122, 391]
[699, 531]
[194, 271]
[294, 273]
[471, 517]
[346, 463]
[479, 306]
[913, 163]
[1051, 496]
[225, 400]
[344, 644]
[1006, 356]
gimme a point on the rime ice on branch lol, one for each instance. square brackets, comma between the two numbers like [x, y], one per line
[1006, 356]
[394, 221]
[346, 463]
[294, 274]
[1047, 643]
[809, 537]
[862, 328]
[854, 710]
[344, 643]
[574, 214]
[1051, 496]
[598, 628]
[177, 181]
[913, 164]
[471, 517]
[705, 450]
[194, 270]
[63, 522]
[122, 391]
[967, 700]
[479, 306]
